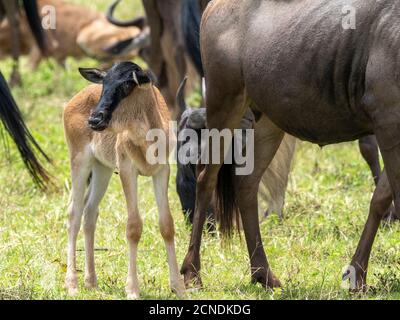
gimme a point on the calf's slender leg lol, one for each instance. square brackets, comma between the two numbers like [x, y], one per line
[100, 179]
[166, 222]
[267, 141]
[80, 169]
[129, 176]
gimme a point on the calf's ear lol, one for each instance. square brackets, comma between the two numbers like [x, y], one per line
[92, 74]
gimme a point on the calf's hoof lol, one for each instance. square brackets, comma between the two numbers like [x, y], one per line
[133, 296]
[91, 283]
[179, 289]
[192, 279]
[71, 284]
[132, 290]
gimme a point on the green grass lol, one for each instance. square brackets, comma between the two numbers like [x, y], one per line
[327, 206]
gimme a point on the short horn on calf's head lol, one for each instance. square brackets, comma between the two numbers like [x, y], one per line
[140, 77]
[135, 79]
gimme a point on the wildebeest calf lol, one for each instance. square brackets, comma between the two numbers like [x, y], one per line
[106, 128]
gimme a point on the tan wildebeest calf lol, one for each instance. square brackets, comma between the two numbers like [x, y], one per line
[106, 127]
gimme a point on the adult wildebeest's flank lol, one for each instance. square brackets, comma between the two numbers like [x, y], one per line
[10, 115]
[295, 63]
[10, 10]
[106, 127]
[274, 181]
[73, 31]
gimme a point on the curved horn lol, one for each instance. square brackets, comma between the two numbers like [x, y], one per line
[126, 46]
[136, 22]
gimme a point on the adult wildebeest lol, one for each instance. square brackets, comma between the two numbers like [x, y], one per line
[167, 57]
[10, 9]
[278, 171]
[308, 75]
[74, 31]
[11, 116]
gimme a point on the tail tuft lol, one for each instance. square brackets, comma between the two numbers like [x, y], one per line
[227, 211]
[13, 123]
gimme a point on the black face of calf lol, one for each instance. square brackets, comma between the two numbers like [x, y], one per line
[118, 83]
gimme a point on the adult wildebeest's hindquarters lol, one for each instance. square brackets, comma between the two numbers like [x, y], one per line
[296, 63]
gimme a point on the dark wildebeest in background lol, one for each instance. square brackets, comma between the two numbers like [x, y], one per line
[166, 54]
[10, 9]
[274, 181]
[78, 32]
[11, 116]
[338, 86]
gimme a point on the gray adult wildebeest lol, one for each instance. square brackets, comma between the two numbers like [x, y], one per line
[294, 63]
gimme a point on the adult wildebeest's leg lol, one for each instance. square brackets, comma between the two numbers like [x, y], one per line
[160, 182]
[134, 226]
[380, 202]
[267, 140]
[370, 152]
[222, 112]
[80, 170]
[381, 102]
[100, 179]
[11, 7]
[227, 102]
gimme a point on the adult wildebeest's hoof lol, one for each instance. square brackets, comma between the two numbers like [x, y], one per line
[192, 278]
[266, 279]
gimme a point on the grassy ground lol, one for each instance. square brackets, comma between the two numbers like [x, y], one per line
[327, 205]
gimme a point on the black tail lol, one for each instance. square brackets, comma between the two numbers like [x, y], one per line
[191, 17]
[227, 211]
[11, 118]
[35, 23]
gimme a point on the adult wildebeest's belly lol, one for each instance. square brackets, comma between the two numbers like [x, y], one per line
[298, 60]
